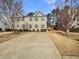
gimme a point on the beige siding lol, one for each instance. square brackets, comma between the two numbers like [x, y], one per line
[30, 24]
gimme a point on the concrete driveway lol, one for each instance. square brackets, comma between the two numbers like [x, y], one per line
[35, 45]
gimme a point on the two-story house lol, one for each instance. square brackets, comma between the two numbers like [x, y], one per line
[35, 22]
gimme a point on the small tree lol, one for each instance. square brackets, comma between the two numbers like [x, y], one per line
[66, 20]
[17, 10]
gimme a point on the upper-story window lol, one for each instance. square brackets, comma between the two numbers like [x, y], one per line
[18, 19]
[36, 26]
[30, 18]
[42, 19]
[77, 19]
[36, 19]
[77, 24]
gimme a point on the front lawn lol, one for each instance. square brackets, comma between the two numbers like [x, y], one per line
[6, 37]
[65, 45]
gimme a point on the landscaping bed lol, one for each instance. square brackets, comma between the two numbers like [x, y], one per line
[74, 30]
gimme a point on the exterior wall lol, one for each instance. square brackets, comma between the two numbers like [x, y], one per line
[38, 22]
[75, 18]
[20, 25]
[76, 22]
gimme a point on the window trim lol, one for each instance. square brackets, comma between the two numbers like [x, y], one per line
[36, 18]
[30, 26]
[36, 26]
[42, 26]
[30, 19]
[42, 19]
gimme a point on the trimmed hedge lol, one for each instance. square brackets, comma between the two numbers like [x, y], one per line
[8, 30]
[43, 30]
[23, 30]
[74, 30]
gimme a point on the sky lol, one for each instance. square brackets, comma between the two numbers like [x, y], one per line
[45, 6]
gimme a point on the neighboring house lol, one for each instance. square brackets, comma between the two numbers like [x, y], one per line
[75, 17]
[52, 19]
[34, 21]
[76, 22]
[19, 21]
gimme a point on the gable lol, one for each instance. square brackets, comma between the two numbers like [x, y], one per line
[38, 14]
[18, 15]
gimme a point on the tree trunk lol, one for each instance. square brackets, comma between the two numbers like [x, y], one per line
[67, 32]
[3, 29]
[13, 25]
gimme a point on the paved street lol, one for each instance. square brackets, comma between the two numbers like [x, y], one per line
[34, 45]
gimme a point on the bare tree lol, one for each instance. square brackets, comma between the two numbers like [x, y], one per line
[11, 8]
[65, 16]
[17, 10]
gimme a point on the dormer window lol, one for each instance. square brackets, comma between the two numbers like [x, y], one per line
[36, 19]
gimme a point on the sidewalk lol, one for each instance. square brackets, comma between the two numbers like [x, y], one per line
[68, 48]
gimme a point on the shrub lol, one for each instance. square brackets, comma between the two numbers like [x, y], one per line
[74, 30]
[25, 30]
[33, 29]
[0, 29]
[55, 28]
[9, 30]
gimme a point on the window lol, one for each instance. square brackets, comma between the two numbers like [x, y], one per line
[18, 19]
[30, 26]
[23, 26]
[43, 26]
[18, 26]
[36, 26]
[36, 19]
[74, 19]
[42, 19]
[77, 24]
[77, 19]
[30, 19]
